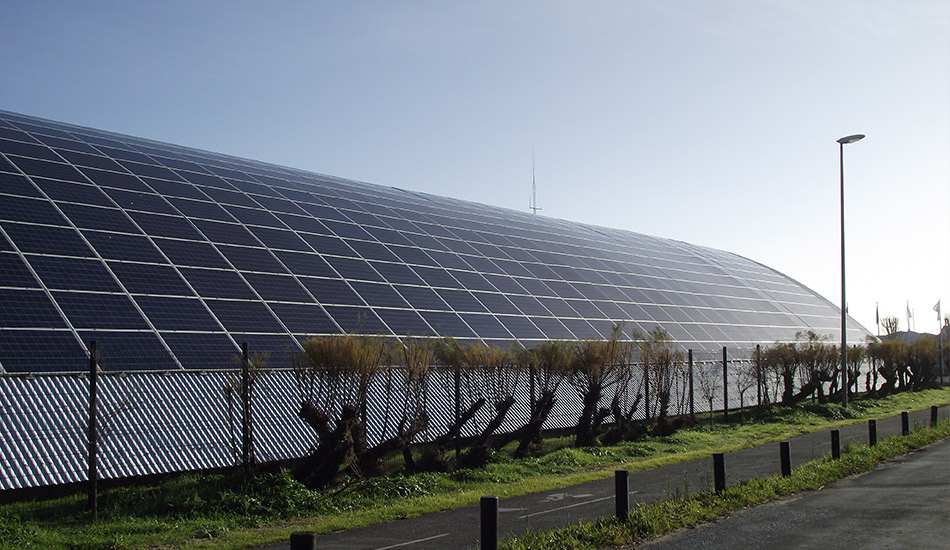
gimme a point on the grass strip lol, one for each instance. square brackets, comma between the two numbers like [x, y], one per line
[651, 520]
[215, 512]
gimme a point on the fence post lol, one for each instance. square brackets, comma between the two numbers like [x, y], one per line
[531, 383]
[489, 518]
[872, 432]
[835, 444]
[692, 409]
[905, 423]
[646, 391]
[303, 540]
[719, 472]
[758, 374]
[933, 416]
[622, 490]
[458, 413]
[93, 433]
[245, 407]
[725, 387]
[785, 458]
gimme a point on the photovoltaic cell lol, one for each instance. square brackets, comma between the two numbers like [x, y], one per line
[280, 239]
[359, 320]
[204, 350]
[73, 274]
[42, 351]
[226, 233]
[552, 328]
[278, 287]
[14, 273]
[31, 150]
[129, 350]
[19, 209]
[379, 294]
[117, 246]
[486, 326]
[94, 217]
[331, 291]
[167, 313]
[191, 253]
[251, 259]
[218, 283]
[445, 322]
[13, 184]
[28, 308]
[307, 319]
[244, 316]
[49, 240]
[150, 279]
[145, 202]
[117, 180]
[397, 273]
[99, 311]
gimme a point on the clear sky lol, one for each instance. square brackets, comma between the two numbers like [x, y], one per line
[713, 123]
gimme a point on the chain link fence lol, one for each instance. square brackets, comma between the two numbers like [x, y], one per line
[156, 420]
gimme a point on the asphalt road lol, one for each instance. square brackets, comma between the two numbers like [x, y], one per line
[459, 528]
[904, 503]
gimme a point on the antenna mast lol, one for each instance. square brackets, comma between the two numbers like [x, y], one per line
[534, 188]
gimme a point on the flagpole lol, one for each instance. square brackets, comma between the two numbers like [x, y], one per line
[940, 337]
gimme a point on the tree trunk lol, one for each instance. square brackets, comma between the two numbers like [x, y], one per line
[583, 433]
[531, 439]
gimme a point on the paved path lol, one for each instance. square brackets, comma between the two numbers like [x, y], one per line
[458, 529]
[904, 503]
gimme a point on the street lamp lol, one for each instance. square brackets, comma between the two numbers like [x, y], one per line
[844, 311]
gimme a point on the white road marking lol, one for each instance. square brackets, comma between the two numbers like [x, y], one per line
[564, 507]
[413, 542]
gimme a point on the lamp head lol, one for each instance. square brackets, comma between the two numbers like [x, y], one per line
[851, 139]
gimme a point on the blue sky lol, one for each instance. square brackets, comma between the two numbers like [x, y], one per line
[709, 122]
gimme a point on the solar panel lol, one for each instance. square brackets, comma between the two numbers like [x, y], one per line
[211, 248]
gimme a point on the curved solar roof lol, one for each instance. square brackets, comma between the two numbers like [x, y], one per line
[178, 255]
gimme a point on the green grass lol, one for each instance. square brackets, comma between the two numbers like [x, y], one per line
[218, 512]
[663, 517]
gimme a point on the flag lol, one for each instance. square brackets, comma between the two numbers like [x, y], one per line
[877, 313]
[939, 313]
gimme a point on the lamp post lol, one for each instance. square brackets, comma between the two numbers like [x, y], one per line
[844, 307]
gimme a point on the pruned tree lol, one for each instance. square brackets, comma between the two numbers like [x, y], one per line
[596, 367]
[746, 378]
[891, 324]
[780, 359]
[887, 356]
[416, 357]
[333, 376]
[452, 354]
[663, 366]
[550, 363]
[709, 380]
[497, 373]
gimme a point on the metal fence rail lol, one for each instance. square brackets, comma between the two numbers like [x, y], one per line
[161, 421]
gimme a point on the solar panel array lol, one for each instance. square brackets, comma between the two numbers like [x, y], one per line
[180, 254]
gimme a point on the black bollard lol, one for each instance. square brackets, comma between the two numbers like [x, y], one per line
[933, 416]
[622, 489]
[719, 472]
[835, 444]
[905, 423]
[872, 432]
[786, 459]
[303, 540]
[489, 523]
